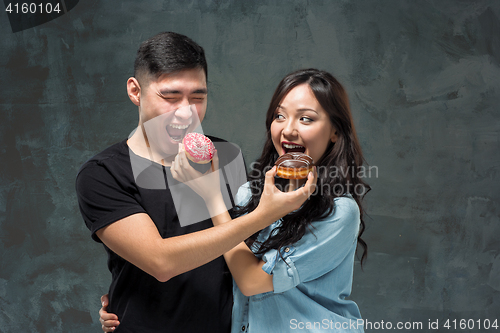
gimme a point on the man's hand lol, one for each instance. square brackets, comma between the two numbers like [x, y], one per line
[109, 321]
[206, 185]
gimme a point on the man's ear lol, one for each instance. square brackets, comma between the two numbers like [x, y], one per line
[134, 91]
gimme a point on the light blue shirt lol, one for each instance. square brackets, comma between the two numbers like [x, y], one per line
[311, 284]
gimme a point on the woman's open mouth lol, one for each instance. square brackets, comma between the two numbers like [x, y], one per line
[289, 147]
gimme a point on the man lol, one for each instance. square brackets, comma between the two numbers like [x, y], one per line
[167, 275]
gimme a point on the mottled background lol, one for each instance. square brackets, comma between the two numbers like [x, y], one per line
[424, 83]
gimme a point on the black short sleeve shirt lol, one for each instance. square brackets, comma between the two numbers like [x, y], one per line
[197, 301]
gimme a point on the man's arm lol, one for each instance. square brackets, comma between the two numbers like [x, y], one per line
[136, 239]
[245, 268]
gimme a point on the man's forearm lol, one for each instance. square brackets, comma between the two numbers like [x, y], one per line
[137, 240]
[187, 252]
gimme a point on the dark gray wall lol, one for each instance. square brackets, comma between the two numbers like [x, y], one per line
[424, 83]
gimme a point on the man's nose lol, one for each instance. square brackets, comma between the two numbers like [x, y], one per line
[184, 112]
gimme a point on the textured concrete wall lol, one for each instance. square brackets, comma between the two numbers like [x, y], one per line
[424, 83]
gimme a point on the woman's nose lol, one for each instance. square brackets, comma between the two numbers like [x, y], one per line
[290, 130]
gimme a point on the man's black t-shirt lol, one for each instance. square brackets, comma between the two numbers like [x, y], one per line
[196, 301]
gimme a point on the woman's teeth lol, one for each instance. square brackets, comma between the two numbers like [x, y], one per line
[290, 146]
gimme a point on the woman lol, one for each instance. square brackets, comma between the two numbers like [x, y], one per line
[296, 273]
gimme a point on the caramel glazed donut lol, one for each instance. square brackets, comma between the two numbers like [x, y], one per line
[294, 165]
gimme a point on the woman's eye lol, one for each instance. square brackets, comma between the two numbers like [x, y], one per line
[279, 116]
[306, 119]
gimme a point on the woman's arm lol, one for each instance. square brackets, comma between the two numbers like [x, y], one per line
[189, 251]
[245, 267]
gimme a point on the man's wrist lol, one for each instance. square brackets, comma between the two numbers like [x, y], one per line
[216, 204]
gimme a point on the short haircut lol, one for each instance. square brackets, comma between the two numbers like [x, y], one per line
[165, 53]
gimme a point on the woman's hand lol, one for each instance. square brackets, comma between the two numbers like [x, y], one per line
[281, 203]
[109, 321]
[206, 185]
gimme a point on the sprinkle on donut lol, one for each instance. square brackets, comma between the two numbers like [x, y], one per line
[199, 148]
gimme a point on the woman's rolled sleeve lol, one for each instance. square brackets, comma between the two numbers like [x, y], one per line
[285, 275]
[319, 252]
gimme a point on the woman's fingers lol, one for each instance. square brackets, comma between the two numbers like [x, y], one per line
[105, 300]
[106, 316]
[109, 326]
[108, 321]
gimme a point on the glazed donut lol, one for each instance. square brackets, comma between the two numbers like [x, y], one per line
[198, 147]
[294, 165]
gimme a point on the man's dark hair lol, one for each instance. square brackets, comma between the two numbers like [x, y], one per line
[168, 52]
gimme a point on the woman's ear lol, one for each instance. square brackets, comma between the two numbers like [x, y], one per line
[134, 91]
[333, 136]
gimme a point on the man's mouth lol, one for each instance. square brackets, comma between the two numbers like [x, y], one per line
[177, 131]
[289, 147]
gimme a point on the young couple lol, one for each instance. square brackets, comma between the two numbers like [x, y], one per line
[290, 253]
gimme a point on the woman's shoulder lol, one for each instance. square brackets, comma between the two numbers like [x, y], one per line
[346, 201]
[345, 206]
[244, 194]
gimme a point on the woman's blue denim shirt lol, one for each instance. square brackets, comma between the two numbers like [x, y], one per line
[311, 284]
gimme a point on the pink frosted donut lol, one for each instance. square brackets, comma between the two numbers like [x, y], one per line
[199, 148]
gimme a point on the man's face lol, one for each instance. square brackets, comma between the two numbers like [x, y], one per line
[171, 106]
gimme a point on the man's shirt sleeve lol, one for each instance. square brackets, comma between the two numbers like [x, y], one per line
[102, 199]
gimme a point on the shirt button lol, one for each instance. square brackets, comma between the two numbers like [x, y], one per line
[287, 249]
[243, 328]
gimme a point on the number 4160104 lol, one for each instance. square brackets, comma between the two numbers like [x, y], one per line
[32, 8]
[471, 324]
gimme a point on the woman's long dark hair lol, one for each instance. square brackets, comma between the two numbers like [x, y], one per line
[344, 156]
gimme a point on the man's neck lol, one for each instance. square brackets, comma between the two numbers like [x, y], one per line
[139, 145]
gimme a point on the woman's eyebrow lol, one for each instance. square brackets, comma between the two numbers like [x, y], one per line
[306, 109]
[298, 110]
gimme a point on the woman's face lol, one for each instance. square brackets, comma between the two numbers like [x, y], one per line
[301, 125]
